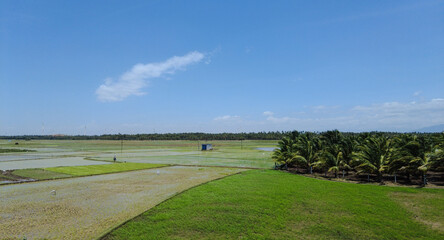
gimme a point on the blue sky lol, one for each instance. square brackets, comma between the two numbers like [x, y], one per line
[99, 67]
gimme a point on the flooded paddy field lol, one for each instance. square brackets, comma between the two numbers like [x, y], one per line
[252, 160]
[73, 153]
[48, 162]
[84, 208]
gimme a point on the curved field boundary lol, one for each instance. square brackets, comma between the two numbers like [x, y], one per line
[103, 236]
[266, 204]
[85, 207]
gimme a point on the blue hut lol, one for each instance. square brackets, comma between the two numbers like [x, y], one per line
[207, 146]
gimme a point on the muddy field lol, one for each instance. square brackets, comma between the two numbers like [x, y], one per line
[86, 207]
[49, 162]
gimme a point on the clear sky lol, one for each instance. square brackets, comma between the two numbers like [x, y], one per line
[96, 67]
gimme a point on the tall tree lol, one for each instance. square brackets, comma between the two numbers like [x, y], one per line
[374, 155]
[307, 152]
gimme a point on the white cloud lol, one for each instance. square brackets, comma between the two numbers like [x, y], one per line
[227, 118]
[389, 116]
[396, 115]
[272, 118]
[279, 120]
[133, 81]
[417, 93]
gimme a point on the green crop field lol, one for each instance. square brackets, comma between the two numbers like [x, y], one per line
[87, 170]
[39, 174]
[102, 169]
[266, 204]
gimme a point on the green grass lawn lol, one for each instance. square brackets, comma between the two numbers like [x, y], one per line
[267, 204]
[39, 174]
[102, 169]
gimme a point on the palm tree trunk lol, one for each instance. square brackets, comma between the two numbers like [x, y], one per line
[379, 177]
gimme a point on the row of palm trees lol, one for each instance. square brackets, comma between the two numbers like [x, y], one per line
[365, 153]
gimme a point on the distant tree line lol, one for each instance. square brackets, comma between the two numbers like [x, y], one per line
[376, 153]
[159, 136]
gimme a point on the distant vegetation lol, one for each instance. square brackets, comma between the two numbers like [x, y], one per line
[159, 136]
[195, 136]
[405, 154]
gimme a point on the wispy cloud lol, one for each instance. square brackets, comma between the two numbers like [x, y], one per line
[133, 81]
[397, 115]
[227, 118]
[389, 116]
[270, 117]
[417, 93]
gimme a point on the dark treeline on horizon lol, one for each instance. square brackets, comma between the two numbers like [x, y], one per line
[158, 136]
[277, 135]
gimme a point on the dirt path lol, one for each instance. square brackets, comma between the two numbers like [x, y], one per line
[84, 208]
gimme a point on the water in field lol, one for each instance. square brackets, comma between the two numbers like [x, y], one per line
[268, 149]
[39, 155]
[255, 154]
[4, 158]
[253, 159]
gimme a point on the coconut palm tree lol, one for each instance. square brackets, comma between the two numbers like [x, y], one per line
[336, 154]
[436, 156]
[413, 153]
[374, 155]
[400, 161]
[284, 153]
[329, 162]
[436, 159]
[348, 147]
[307, 152]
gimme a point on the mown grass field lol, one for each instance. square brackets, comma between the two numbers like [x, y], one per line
[266, 204]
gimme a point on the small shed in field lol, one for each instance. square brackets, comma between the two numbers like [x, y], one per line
[207, 146]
